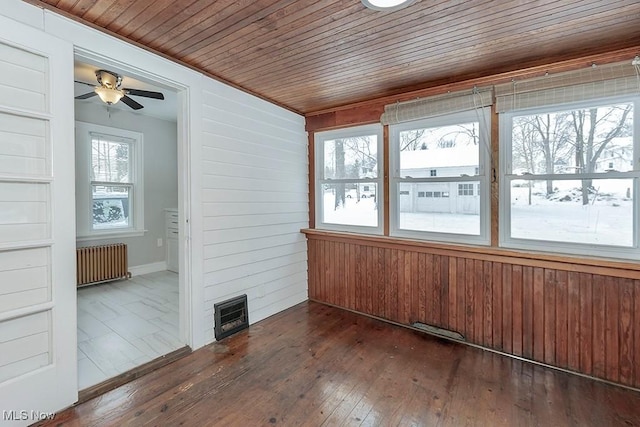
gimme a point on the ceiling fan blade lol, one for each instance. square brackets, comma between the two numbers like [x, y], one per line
[145, 93]
[84, 83]
[86, 95]
[131, 103]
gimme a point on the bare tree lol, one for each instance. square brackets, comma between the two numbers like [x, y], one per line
[469, 132]
[524, 146]
[110, 161]
[594, 129]
[525, 153]
[363, 153]
[553, 136]
[361, 147]
[340, 173]
[416, 139]
[411, 140]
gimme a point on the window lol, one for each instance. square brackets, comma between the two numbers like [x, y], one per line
[347, 165]
[109, 184]
[560, 190]
[465, 189]
[446, 208]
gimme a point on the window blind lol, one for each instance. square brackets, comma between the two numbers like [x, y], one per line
[438, 105]
[572, 86]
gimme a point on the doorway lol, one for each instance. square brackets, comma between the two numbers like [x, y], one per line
[128, 191]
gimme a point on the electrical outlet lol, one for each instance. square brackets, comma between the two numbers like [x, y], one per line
[159, 243]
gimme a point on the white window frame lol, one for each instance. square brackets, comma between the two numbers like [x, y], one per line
[506, 176]
[84, 184]
[483, 117]
[319, 140]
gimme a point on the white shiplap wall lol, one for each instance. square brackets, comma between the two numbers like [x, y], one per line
[244, 178]
[254, 203]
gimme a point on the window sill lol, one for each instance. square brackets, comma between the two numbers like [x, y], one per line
[111, 235]
[359, 230]
[533, 259]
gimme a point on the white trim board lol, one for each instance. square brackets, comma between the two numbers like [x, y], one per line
[154, 267]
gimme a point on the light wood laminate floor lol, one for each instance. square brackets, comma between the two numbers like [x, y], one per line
[124, 324]
[315, 365]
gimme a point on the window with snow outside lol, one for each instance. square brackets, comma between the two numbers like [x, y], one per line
[440, 206]
[570, 179]
[111, 183]
[348, 179]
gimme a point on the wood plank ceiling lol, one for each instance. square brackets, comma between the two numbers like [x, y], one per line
[315, 55]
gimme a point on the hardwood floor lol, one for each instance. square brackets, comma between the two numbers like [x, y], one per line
[317, 365]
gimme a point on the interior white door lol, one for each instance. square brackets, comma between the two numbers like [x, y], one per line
[38, 368]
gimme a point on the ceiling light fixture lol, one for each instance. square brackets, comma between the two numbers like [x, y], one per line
[109, 96]
[386, 5]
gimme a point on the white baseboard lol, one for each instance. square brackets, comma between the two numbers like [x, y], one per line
[148, 268]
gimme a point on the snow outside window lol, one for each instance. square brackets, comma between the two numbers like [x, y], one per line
[110, 191]
[440, 206]
[570, 179]
[111, 183]
[348, 179]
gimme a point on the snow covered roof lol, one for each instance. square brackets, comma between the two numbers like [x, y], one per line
[440, 157]
[620, 141]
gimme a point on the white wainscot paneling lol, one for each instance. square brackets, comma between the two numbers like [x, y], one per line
[23, 83]
[24, 278]
[23, 147]
[23, 212]
[24, 345]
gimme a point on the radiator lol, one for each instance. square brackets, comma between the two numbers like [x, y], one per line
[96, 264]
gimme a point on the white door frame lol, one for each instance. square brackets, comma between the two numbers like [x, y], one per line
[184, 193]
[90, 42]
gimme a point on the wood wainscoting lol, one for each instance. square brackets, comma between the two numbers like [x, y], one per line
[580, 315]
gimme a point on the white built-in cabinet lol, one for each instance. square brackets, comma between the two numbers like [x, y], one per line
[171, 226]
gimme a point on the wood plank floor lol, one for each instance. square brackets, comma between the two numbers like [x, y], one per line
[317, 365]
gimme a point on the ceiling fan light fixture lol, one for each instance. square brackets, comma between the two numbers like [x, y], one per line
[386, 5]
[109, 96]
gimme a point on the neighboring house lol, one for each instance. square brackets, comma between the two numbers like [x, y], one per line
[617, 156]
[442, 197]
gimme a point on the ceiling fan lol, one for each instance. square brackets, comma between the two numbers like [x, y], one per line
[110, 90]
